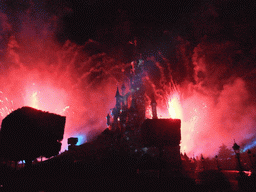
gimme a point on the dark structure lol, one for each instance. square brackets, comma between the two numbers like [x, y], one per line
[236, 149]
[153, 106]
[161, 132]
[28, 133]
[164, 134]
[72, 141]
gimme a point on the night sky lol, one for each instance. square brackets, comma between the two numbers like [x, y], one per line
[75, 53]
[159, 26]
[162, 26]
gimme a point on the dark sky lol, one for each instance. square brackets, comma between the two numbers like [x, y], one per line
[121, 20]
[157, 24]
[88, 19]
[114, 22]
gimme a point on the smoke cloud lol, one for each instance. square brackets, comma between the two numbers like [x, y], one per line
[209, 74]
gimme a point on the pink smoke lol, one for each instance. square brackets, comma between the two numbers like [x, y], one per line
[214, 100]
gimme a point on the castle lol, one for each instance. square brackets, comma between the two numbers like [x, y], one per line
[129, 119]
[129, 111]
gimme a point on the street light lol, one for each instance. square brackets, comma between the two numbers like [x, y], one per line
[237, 152]
[236, 148]
[218, 166]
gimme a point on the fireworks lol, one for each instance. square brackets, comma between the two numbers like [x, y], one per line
[46, 98]
[6, 106]
[174, 107]
[200, 82]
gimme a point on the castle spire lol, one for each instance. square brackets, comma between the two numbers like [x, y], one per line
[153, 105]
[117, 93]
[123, 89]
[108, 119]
[118, 100]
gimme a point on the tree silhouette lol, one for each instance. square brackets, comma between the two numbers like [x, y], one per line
[224, 152]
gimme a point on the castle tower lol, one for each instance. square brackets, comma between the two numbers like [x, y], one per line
[118, 100]
[153, 105]
[124, 102]
[116, 111]
[133, 115]
[123, 89]
[130, 107]
[137, 88]
[108, 119]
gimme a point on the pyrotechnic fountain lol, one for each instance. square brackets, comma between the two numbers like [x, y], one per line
[79, 82]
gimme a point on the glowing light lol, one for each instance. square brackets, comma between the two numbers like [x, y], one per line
[6, 105]
[34, 100]
[249, 146]
[67, 107]
[192, 112]
[81, 139]
[174, 107]
[46, 98]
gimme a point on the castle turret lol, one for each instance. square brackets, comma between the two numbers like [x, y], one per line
[153, 105]
[108, 120]
[118, 99]
[123, 89]
[137, 88]
[116, 111]
[124, 102]
[133, 114]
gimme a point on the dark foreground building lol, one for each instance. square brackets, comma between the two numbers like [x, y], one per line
[165, 134]
[28, 133]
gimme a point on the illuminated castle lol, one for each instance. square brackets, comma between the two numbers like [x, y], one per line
[129, 119]
[129, 111]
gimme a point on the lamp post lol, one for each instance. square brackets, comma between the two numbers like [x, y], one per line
[237, 152]
[202, 161]
[217, 162]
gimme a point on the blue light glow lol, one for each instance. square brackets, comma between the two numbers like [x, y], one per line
[81, 139]
[20, 162]
[253, 144]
